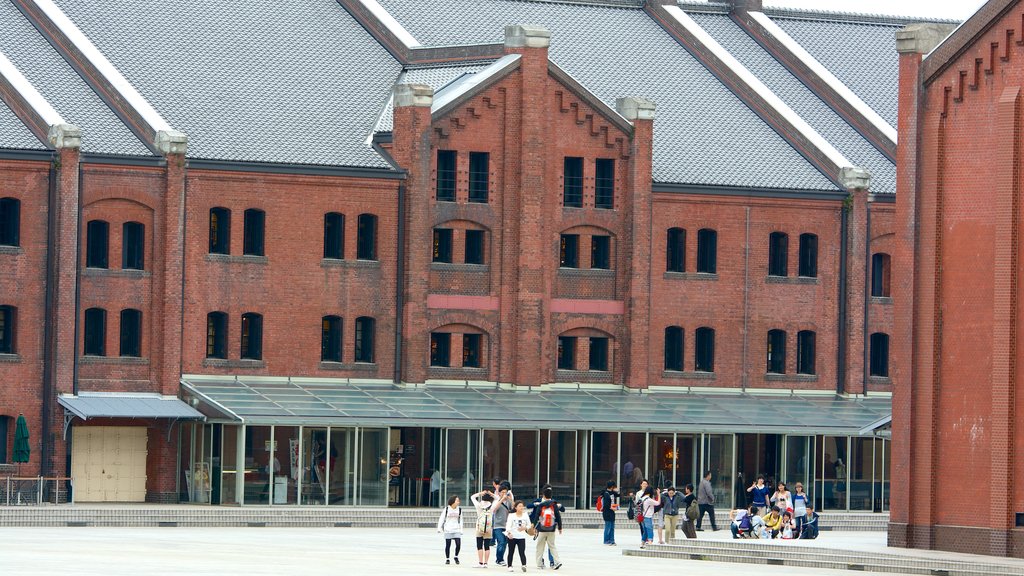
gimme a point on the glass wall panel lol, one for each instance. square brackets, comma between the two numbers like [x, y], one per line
[604, 461]
[373, 467]
[286, 464]
[225, 463]
[259, 461]
[798, 458]
[862, 473]
[196, 474]
[830, 473]
[524, 472]
[562, 466]
[687, 461]
[634, 459]
[461, 465]
[341, 464]
[663, 460]
[718, 458]
[495, 455]
[883, 470]
[417, 453]
[315, 462]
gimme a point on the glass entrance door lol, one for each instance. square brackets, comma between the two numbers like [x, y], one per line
[524, 470]
[460, 469]
[560, 466]
[799, 460]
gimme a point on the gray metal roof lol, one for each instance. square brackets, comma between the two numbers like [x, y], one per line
[703, 134]
[127, 405]
[436, 78]
[862, 55]
[14, 134]
[801, 99]
[323, 402]
[297, 81]
[102, 131]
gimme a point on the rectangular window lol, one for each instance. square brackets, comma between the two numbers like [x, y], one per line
[10, 221]
[566, 352]
[364, 339]
[252, 337]
[366, 240]
[217, 335]
[569, 252]
[253, 232]
[707, 251]
[479, 173]
[442, 245]
[4, 424]
[880, 266]
[674, 348]
[7, 329]
[778, 254]
[675, 252]
[474, 246]
[705, 350]
[446, 175]
[601, 252]
[805, 353]
[880, 354]
[220, 231]
[776, 352]
[471, 350]
[131, 333]
[95, 332]
[133, 246]
[440, 349]
[334, 236]
[808, 256]
[599, 354]
[604, 184]
[330, 339]
[572, 194]
[96, 244]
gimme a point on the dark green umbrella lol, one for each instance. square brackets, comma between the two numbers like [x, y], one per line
[21, 448]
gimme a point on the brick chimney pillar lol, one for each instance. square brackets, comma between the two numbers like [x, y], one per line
[857, 182]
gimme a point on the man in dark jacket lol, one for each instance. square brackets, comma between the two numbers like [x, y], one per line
[547, 517]
[609, 503]
[672, 503]
[810, 528]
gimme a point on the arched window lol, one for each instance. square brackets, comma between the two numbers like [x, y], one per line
[705, 350]
[334, 235]
[808, 265]
[569, 251]
[97, 241]
[330, 338]
[252, 336]
[599, 353]
[707, 251]
[674, 348]
[217, 335]
[675, 252]
[220, 231]
[472, 350]
[778, 254]
[366, 237]
[880, 354]
[365, 339]
[566, 352]
[131, 332]
[8, 329]
[601, 252]
[133, 246]
[10, 222]
[95, 330]
[253, 232]
[776, 352]
[440, 349]
[805, 352]
[880, 271]
[443, 240]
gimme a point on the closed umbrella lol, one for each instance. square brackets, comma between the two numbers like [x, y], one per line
[21, 448]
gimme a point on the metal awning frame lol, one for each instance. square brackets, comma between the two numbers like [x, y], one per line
[71, 412]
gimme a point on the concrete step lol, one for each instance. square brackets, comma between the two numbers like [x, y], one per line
[792, 554]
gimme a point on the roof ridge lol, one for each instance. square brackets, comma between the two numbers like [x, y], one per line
[850, 17]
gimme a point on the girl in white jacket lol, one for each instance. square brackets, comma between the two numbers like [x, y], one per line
[450, 523]
[515, 531]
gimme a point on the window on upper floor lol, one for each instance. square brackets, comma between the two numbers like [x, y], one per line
[334, 236]
[8, 329]
[805, 352]
[217, 335]
[479, 175]
[604, 184]
[330, 338]
[808, 266]
[365, 327]
[131, 333]
[572, 191]
[674, 348]
[601, 252]
[566, 352]
[446, 175]
[704, 356]
[442, 245]
[10, 222]
[707, 251]
[95, 330]
[474, 246]
[880, 271]
[97, 243]
[778, 254]
[133, 246]
[879, 354]
[220, 231]
[569, 251]
[440, 349]
[472, 350]
[675, 252]
[598, 354]
[252, 336]
[776, 352]
[366, 237]
[253, 232]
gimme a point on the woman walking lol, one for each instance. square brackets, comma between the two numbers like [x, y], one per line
[515, 531]
[450, 523]
[485, 503]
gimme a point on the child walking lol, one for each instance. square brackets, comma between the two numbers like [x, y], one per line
[485, 503]
[450, 523]
[515, 531]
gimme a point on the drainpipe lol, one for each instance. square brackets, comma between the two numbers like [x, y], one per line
[867, 295]
[843, 256]
[744, 383]
[399, 283]
[48, 327]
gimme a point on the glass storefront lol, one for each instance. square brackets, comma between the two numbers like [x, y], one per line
[604, 462]
[524, 471]
[719, 460]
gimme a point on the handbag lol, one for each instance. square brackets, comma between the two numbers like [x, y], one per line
[532, 530]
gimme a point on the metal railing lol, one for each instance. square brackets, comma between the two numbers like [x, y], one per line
[35, 491]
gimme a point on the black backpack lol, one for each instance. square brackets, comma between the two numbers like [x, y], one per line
[631, 511]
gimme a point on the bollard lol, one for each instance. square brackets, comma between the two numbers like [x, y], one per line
[39, 491]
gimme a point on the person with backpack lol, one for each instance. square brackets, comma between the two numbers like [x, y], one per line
[503, 490]
[672, 504]
[516, 527]
[706, 502]
[741, 525]
[450, 523]
[536, 502]
[607, 503]
[485, 503]
[772, 523]
[546, 518]
[690, 506]
[649, 500]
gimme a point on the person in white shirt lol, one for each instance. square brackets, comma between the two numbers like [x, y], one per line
[485, 503]
[450, 523]
[515, 531]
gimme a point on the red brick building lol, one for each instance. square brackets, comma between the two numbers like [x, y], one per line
[957, 403]
[455, 248]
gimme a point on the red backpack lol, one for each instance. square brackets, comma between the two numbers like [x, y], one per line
[547, 517]
[600, 503]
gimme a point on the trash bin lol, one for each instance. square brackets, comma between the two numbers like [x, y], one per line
[280, 490]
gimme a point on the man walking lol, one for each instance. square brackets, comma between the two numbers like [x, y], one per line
[547, 518]
[609, 503]
[706, 501]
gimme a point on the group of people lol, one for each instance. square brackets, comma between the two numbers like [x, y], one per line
[659, 510]
[783, 514]
[507, 523]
